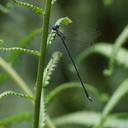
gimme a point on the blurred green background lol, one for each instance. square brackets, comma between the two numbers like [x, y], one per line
[109, 17]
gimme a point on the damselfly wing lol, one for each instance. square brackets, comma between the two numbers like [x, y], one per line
[64, 41]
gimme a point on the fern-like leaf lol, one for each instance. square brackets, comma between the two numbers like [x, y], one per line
[51, 37]
[8, 93]
[61, 22]
[51, 67]
[24, 42]
[29, 6]
[22, 50]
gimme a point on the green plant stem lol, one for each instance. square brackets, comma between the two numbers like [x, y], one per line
[41, 67]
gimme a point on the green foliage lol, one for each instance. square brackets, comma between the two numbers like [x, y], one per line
[63, 21]
[88, 119]
[118, 44]
[19, 81]
[118, 55]
[1, 41]
[29, 6]
[16, 78]
[120, 92]
[21, 50]
[51, 37]
[105, 50]
[6, 8]
[40, 99]
[26, 116]
[53, 2]
[8, 93]
[23, 43]
[66, 86]
[51, 67]
[108, 2]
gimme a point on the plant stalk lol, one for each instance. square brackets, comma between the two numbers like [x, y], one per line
[43, 45]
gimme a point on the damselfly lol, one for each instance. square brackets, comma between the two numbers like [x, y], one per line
[64, 40]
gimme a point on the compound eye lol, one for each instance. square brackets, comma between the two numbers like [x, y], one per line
[55, 27]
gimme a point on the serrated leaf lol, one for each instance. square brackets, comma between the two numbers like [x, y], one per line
[29, 6]
[9, 93]
[21, 50]
[63, 21]
[23, 43]
[51, 37]
[51, 67]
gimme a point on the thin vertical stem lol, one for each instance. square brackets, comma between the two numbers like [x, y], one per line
[43, 46]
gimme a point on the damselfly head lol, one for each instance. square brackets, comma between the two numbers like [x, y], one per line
[55, 27]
